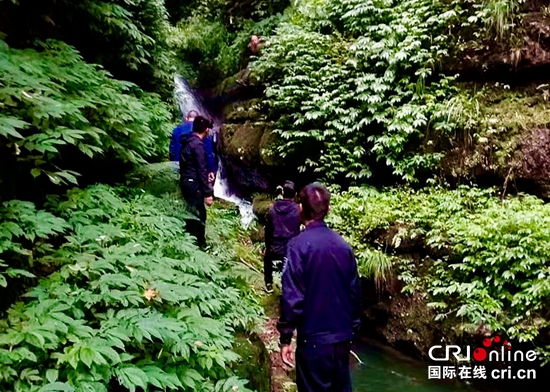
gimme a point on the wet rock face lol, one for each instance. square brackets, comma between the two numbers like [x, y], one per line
[534, 165]
[535, 151]
[523, 58]
[246, 148]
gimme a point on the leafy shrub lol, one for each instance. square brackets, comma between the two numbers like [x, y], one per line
[210, 50]
[484, 261]
[128, 38]
[58, 111]
[138, 305]
[351, 83]
[24, 235]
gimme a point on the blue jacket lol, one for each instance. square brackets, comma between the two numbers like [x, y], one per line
[175, 146]
[321, 288]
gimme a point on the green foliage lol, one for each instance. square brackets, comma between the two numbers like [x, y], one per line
[234, 14]
[25, 235]
[486, 259]
[128, 38]
[210, 51]
[55, 105]
[351, 83]
[135, 304]
[492, 18]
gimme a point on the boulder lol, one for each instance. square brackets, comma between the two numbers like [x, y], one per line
[261, 205]
[247, 148]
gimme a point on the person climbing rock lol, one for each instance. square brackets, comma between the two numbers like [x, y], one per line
[209, 144]
[283, 223]
[195, 186]
[321, 299]
[254, 48]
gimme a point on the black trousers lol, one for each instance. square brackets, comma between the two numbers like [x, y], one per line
[195, 206]
[323, 368]
[269, 259]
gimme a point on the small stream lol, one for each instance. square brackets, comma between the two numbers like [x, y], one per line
[386, 370]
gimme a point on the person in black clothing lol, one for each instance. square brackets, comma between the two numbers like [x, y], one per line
[195, 187]
[321, 299]
[283, 223]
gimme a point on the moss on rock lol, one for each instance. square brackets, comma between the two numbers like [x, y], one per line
[242, 141]
[241, 112]
[505, 133]
[268, 155]
[261, 205]
[255, 363]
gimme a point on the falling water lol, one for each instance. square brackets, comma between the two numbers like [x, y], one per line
[187, 101]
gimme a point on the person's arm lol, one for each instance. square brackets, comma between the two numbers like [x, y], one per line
[292, 299]
[202, 171]
[356, 296]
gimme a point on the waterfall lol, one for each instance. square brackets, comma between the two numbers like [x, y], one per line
[187, 100]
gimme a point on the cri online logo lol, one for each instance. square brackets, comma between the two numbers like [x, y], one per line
[480, 353]
[490, 351]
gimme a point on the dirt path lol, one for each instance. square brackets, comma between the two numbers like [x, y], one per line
[282, 378]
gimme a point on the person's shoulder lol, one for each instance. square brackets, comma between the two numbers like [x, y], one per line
[296, 241]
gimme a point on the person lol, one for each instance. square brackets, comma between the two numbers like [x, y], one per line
[253, 49]
[320, 298]
[210, 148]
[195, 187]
[186, 127]
[283, 223]
[209, 144]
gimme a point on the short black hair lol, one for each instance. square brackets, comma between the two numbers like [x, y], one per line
[201, 124]
[288, 190]
[315, 200]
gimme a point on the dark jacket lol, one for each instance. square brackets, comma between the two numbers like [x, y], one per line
[210, 147]
[177, 133]
[209, 142]
[283, 223]
[193, 167]
[321, 288]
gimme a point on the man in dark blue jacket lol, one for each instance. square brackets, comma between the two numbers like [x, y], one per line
[209, 144]
[195, 187]
[321, 299]
[283, 223]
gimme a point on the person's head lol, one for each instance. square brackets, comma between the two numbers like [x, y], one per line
[201, 126]
[191, 115]
[314, 202]
[254, 43]
[288, 190]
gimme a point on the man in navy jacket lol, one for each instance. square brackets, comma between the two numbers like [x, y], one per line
[321, 299]
[195, 187]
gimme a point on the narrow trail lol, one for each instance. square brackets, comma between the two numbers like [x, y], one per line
[282, 378]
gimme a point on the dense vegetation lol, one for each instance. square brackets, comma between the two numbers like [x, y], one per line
[103, 288]
[58, 113]
[117, 296]
[363, 89]
[134, 302]
[483, 260]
